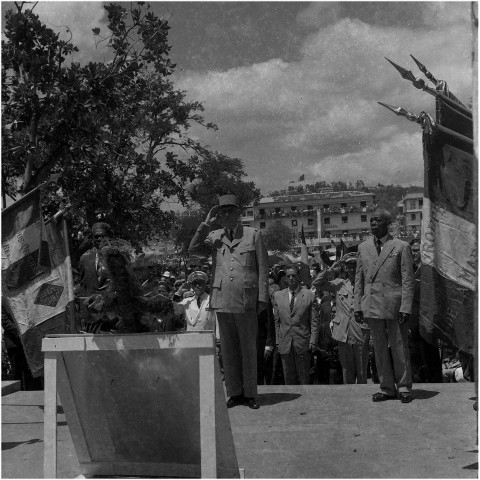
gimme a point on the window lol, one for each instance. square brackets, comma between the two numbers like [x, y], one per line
[413, 216]
[421, 215]
[420, 202]
[326, 221]
[344, 219]
[262, 211]
[343, 205]
[250, 213]
[363, 204]
[363, 218]
[262, 224]
[310, 222]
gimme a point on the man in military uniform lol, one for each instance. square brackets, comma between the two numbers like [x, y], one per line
[239, 290]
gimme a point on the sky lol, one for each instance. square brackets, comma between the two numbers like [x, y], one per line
[293, 86]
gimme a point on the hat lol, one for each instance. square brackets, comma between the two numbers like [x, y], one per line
[196, 276]
[350, 257]
[228, 200]
[166, 274]
[101, 227]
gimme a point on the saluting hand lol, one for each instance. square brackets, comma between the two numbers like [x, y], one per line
[212, 215]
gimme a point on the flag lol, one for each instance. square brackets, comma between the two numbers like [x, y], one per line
[24, 246]
[302, 236]
[36, 276]
[449, 246]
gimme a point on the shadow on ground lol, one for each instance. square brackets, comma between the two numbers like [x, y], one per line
[418, 394]
[274, 398]
[473, 466]
[9, 445]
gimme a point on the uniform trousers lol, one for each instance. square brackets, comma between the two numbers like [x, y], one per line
[393, 366]
[238, 338]
[296, 367]
[354, 359]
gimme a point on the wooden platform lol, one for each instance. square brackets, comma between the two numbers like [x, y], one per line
[324, 431]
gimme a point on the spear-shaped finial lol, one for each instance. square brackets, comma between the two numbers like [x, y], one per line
[424, 70]
[408, 75]
[402, 113]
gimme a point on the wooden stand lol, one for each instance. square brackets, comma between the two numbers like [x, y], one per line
[139, 405]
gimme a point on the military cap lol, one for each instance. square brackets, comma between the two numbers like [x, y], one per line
[101, 227]
[228, 200]
[197, 276]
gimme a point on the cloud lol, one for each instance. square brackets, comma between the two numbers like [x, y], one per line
[79, 18]
[322, 110]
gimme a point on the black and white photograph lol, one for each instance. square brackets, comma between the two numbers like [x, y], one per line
[239, 239]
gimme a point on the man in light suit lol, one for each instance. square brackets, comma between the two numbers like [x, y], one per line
[384, 287]
[238, 291]
[296, 328]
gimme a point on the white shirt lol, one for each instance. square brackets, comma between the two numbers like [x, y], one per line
[383, 240]
[196, 318]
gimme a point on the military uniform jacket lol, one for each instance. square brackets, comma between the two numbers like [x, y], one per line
[384, 285]
[240, 267]
[298, 328]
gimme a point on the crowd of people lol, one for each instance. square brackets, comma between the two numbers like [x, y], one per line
[343, 322]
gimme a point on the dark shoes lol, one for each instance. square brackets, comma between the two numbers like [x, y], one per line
[381, 397]
[251, 402]
[405, 397]
[235, 400]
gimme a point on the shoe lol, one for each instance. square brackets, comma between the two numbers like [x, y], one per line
[235, 400]
[405, 397]
[251, 403]
[381, 397]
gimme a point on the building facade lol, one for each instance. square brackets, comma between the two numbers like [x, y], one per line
[411, 215]
[323, 215]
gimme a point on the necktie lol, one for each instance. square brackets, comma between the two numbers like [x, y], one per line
[231, 235]
[199, 301]
[379, 247]
[292, 302]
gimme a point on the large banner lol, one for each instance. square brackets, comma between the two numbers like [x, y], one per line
[37, 285]
[449, 243]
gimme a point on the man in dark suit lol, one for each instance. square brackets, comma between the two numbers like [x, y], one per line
[91, 269]
[384, 285]
[296, 328]
[239, 290]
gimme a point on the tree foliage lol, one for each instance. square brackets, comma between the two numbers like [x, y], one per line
[116, 133]
[278, 237]
[217, 175]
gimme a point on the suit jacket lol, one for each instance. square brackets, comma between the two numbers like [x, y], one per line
[295, 329]
[88, 273]
[240, 267]
[384, 284]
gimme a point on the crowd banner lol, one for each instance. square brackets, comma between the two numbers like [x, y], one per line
[449, 243]
[37, 284]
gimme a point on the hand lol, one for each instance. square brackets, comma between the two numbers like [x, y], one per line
[212, 215]
[267, 354]
[261, 306]
[403, 318]
[311, 347]
[188, 294]
[358, 317]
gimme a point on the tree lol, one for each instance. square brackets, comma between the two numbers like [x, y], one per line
[115, 132]
[278, 237]
[217, 174]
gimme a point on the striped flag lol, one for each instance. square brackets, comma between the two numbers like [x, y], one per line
[449, 246]
[24, 246]
[36, 276]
